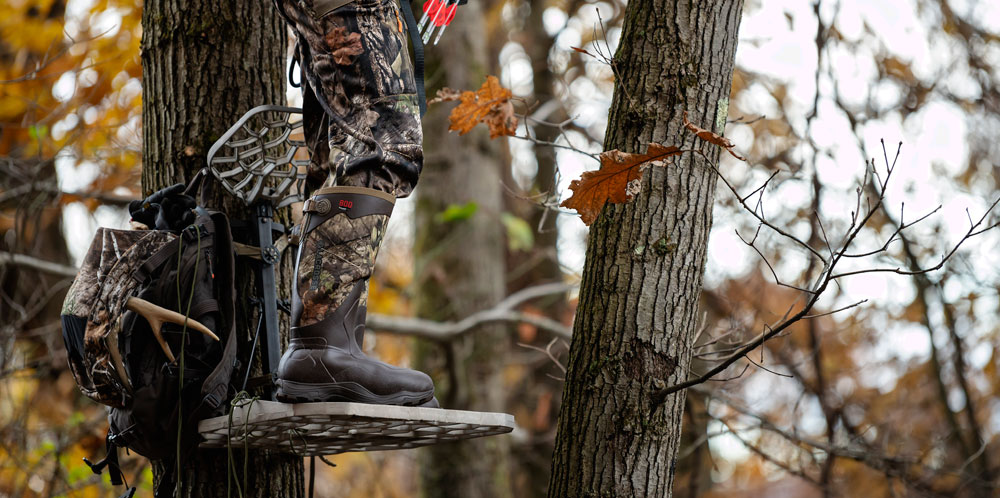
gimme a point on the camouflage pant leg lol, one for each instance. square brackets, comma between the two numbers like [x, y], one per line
[356, 61]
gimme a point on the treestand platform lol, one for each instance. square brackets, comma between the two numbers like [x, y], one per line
[310, 429]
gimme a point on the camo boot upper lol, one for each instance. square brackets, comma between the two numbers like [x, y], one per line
[324, 361]
[333, 257]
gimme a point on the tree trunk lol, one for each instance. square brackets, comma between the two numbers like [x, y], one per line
[204, 64]
[642, 279]
[460, 270]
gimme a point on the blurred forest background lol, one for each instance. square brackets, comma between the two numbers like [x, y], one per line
[897, 396]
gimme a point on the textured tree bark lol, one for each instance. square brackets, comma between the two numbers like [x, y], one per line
[460, 270]
[204, 64]
[642, 279]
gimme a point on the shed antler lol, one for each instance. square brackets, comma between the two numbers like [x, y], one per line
[157, 316]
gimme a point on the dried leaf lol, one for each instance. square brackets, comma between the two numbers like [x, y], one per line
[898, 69]
[711, 138]
[526, 332]
[446, 95]
[490, 105]
[66, 199]
[615, 182]
[542, 419]
[582, 51]
[343, 45]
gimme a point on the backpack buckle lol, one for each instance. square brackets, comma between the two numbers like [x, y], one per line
[212, 400]
[194, 232]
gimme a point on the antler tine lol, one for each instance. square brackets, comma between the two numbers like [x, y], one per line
[157, 315]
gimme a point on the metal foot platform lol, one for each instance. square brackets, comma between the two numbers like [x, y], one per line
[329, 428]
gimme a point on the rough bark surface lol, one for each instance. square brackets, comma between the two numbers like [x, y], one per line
[460, 270]
[204, 64]
[645, 259]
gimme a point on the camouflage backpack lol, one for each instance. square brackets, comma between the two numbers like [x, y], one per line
[124, 319]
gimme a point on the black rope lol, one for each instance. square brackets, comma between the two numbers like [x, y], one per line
[312, 475]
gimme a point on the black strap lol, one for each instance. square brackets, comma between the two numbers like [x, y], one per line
[418, 55]
[194, 185]
[203, 307]
[159, 257]
[312, 473]
[200, 187]
[214, 389]
[291, 67]
[110, 461]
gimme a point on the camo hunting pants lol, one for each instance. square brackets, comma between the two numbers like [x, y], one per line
[355, 64]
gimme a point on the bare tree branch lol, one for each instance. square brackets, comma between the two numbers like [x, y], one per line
[905, 468]
[445, 331]
[502, 312]
[50, 188]
[428, 329]
[826, 275]
[548, 352]
[26, 261]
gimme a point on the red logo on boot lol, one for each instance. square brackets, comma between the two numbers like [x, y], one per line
[346, 204]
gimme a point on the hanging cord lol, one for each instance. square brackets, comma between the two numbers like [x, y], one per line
[312, 470]
[241, 399]
[180, 361]
[295, 431]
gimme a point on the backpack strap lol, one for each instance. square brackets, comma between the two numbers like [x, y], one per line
[153, 262]
[214, 390]
[203, 307]
[110, 461]
[198, 185]
[418, 54]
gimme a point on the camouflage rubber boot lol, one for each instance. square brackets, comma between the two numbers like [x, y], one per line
[341, 233]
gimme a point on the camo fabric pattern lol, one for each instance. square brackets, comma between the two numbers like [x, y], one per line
[99, 293]
[335, 256]
[355, 59]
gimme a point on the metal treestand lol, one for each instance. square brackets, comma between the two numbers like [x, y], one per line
[262, 161]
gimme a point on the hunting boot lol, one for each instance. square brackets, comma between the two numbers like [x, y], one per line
[340, 236]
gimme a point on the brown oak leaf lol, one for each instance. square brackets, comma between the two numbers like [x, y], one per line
[490, 105]
[711, 138]
[445, 95]
[615, 181]
[343, 45]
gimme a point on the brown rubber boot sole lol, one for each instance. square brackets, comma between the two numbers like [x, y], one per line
[297, 392]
